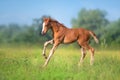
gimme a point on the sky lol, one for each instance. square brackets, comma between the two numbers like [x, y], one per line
[24, 11]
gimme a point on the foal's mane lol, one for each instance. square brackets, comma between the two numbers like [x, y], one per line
[58, 23]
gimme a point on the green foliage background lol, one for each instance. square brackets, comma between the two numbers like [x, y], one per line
[95, 20]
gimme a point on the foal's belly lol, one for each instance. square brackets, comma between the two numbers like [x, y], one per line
[69, 39]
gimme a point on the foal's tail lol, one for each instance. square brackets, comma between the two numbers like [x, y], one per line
[94, 36]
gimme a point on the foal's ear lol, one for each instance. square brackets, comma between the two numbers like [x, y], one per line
[46, 19]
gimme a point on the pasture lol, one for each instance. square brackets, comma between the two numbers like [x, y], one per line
[25, 63]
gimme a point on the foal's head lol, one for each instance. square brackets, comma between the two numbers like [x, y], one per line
[46, 25]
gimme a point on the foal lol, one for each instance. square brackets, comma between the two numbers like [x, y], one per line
[62, 34]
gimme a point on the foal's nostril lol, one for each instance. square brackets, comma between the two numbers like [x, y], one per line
[42, 33]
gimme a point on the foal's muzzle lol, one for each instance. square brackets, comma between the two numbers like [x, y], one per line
[43, 33]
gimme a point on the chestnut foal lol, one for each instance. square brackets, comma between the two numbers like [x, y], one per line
[62, 34]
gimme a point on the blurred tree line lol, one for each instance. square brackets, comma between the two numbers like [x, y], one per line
[14, 33]
[107, 31]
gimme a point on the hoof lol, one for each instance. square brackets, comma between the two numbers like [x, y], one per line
[45, 56]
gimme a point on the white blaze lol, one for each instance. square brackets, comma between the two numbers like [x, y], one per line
[43, 27]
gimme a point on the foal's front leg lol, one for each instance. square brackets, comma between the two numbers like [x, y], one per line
[51, 53]
[45, 45]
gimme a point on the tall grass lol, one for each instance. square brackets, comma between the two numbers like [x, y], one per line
[25, 63]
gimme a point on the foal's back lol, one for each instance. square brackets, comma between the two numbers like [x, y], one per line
[72, 35]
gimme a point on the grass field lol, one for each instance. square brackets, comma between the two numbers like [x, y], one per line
[25, 63]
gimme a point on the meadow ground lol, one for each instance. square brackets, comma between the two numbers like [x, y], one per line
[25, 63]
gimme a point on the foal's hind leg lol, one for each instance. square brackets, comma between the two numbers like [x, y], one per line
[45, 45]
[92, 55]
[91, 50]
[86, 46]
[83, 52]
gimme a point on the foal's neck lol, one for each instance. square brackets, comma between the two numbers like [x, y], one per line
[58, 27]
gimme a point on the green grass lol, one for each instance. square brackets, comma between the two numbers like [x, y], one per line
[25, 63]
